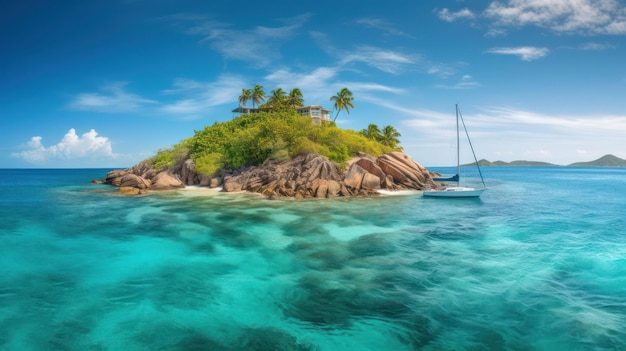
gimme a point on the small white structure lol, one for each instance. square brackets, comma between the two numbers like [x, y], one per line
[316, 112]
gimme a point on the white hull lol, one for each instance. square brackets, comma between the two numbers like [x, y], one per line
[458, 191]
[455, 191]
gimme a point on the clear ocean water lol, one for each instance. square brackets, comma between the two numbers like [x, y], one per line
[537, 263]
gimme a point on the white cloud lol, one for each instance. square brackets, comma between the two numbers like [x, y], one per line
[374, 87]
[589, 17]
[441, 70]
[496, 32]
[115, 100]
[382, 25]
[314, 84]
[526, 53]
[199, 97]
[592, 125]
[258, 45]
[465, 82]
[385, 60]
[593, 46]
[71, 147]
[448, 16]
[319, 85]
[315, 79]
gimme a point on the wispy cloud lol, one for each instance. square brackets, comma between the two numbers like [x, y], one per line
[526, 53]
[187, 99]
[589, 17]
[593, 46]
[382, 25]
[442, 70]
[199, 97]
[581, 125]
[496, 32]
[448, 16]
[382, 59]
[372, 87]
[258, 45]
[386, 60]
[71, 147]
[313, 84]
[320, 84]
[465, 82]
[112, 99]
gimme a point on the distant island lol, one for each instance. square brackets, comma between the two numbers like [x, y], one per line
[604, 161]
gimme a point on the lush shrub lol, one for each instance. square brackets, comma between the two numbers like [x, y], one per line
[250, 139]
[167, 158]
[208, 164]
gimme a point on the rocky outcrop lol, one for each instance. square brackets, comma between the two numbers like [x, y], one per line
[305, 176]
[142, 177]
[313, 175]
[166, 181]
[134, 181]
[405, 171]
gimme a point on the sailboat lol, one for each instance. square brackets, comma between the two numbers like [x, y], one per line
[458, 190]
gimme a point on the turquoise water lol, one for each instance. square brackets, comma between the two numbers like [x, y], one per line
[537, 263]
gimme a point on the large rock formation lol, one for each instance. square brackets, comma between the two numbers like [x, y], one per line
[142, 177]
[305, 176]
[166, 181]
[308, 175]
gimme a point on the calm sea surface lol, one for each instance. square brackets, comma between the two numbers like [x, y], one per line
[537, 263]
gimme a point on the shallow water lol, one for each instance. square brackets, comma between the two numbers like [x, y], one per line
[537, 263]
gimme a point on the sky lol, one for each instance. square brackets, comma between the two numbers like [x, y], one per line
[108, 83]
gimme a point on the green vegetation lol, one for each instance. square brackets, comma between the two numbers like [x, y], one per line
[250, 139]
[278, 100]
[256, 95]
[343, 101]
[388, 136]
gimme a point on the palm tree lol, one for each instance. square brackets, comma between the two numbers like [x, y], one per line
[343, 100]
[372, 132]
[258, 95]
[389, 137]
[295, 98]
[246, 94]
[277, 99]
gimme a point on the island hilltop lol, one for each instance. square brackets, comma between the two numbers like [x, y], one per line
[281, 148]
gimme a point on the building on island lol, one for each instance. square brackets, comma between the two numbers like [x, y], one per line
[316, 112]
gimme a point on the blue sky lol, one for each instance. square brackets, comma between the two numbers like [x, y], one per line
[106, 84]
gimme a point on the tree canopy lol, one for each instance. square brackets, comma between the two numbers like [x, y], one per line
[250, 139]
[388, 136]
[257, 95]
[343, 101]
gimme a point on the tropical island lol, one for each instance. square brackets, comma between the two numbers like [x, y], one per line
[281, 148]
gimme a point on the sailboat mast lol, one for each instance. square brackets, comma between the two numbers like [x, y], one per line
[471, 146]
[458, 148]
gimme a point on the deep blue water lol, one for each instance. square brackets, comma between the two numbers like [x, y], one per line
[537, 263]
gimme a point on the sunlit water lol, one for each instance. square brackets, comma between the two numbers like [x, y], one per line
[537, 263]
